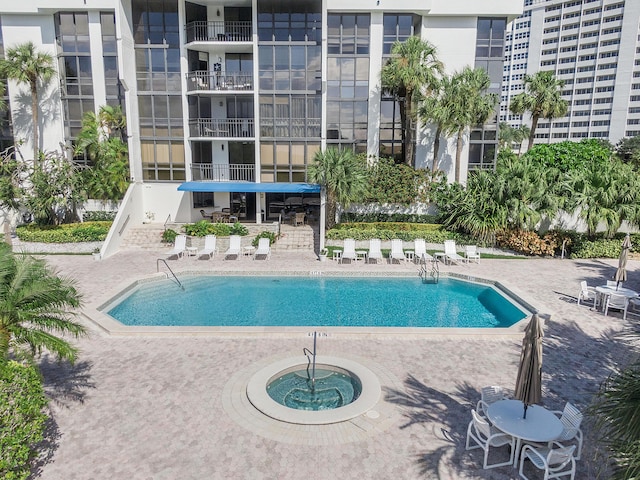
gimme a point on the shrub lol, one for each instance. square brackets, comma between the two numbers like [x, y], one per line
[198, 229]
[265, 234]
[98, 216]
[599, 248]
[66, 233]
[388, 231]
[239, 229]
[22, 418]
[204, 227]
[350, 217]
[169, 235]
[529, 243]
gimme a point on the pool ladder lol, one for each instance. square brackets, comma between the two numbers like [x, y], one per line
[167, 265]
[429, 275]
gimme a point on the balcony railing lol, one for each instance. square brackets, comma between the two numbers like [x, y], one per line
[203, 80]
[219, 32]
[222, 173]
[222, 127]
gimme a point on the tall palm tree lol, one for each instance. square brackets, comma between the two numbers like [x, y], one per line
[414, 67]
[542, 97]
[35, 304]
[437, 109]
[472, 105]
[343, 175]
[25, 64]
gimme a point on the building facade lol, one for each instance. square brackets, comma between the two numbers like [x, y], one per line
[594, 46]
[227, 103]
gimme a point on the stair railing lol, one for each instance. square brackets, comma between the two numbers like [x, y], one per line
[167, 265]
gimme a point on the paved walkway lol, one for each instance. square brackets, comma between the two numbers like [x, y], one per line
[158, 407]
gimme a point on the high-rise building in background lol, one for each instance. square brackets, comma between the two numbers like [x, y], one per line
[594, 46]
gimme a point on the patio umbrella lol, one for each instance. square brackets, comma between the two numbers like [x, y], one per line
[621, 273]
[529, 381]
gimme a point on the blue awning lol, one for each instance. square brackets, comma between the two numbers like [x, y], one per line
[249, 187]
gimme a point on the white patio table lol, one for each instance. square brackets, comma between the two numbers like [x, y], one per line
[605, 290]
[541, 425]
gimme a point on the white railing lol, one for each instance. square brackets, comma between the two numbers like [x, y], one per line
[205, 80]
[222, 173]
[218, 32]
[222, 127]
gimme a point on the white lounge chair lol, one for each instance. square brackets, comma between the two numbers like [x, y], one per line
[556, 462]
[234, 247]
[209, 247]
[471, 253]
[450, 252]
[179, 247]
[420, 250]
[486, 436]
[264, 249]
[349, 251]
[375, 253]
[587, 293]
[396, 251]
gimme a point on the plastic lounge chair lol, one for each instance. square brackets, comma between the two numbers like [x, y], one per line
[234, 247]
[179, 247]
[450, 252]
[571, 419]
[420, 250]
[587, 293]
[471, 253]
[349, 250]
[489, 395]
[396, 251]
[209, 247]
[619, 302]
[554, 461]
[264, 249]
[375, 253]
[486, 436]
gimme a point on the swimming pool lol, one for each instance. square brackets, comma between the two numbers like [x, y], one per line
[316, 301]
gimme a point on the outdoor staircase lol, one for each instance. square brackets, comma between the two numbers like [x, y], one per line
[302, 238]
[144, 237]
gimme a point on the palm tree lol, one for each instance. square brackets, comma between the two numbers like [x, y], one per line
[437, 109]
[343, 175]
[35, 303]
[471, 105]
[25, 64]
[413, 68]
[542, 97]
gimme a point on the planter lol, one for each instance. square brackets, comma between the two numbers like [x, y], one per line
[322, 257]
[96, 256]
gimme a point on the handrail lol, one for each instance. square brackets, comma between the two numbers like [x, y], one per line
[435, 269]
[307, 353]
[167, 265]
[124, 225]
[168, 220]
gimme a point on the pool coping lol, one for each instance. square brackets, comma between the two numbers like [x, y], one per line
[93, 312]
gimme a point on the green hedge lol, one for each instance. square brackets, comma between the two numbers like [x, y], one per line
[98, 216]
[204, 227]
[66, 233]
[432, 233]
[387, 217]
[265, 234]
[22, 419]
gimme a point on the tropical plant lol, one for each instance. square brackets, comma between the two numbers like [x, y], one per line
[437, 108]
[12, 173]
[628, 149]
[22, 418]
[570, 156]
[264, 234]
[344, 177]
[542, 97]
[413, 68]
[36, 304]
[472, 105]
[617, 420]
[390, 182]
[25, 64]
[508, 135]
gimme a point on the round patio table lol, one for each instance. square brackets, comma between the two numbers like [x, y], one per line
[541, 425]
[605, 290]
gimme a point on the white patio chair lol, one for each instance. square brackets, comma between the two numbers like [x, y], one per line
[375, 253]
[264, 249]
[235, 242]
[179, 247]
[587, 293]
[349, 251]
[471, 253]
[571, 419]
[420, 250]
[556, 462]
[489, 395]
[396, 251]
[486, 436]
[450, 252]
[619, 302]
[612, 283]
[209, 247]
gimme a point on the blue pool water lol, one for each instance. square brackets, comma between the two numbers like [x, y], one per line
[316, 301]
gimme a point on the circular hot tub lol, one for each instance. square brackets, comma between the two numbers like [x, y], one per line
[340, 390]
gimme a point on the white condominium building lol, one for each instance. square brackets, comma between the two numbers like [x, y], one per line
[594, 46]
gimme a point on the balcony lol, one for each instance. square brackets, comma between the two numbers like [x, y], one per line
[222, 173]
[222, 127]
[219, 32]
[208, 81]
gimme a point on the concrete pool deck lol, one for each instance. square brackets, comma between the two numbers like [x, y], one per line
[169, 407]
